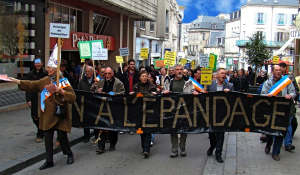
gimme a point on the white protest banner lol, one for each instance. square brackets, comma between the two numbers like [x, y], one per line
[102, 54]
[124, 51]
[203, 59]
[58, 30]
[98, 52]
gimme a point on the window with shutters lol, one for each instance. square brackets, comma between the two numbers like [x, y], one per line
[280, 19]
[142, 24]
[152, 26]
[260, 18]
[279, 36]
[293, 19]
[260, 34]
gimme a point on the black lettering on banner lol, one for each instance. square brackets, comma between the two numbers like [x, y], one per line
[182, 113]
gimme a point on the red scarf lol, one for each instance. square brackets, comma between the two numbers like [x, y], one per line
[131, 80]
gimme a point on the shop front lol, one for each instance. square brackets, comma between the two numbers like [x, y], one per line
[21, 37]
[70, 51]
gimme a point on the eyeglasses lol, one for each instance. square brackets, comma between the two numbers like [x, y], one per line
[107, 73]
[131, 64]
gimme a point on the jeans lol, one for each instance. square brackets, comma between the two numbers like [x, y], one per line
[145, 141]
[216, 141]
[174, 141]
[152, 137]
[39, 133]
[277, 143]
[288, 140]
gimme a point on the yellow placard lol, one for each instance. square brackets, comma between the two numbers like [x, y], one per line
[183, 61]
[206, 76]
[170, 58]
[82, 60]
[144, 53]
[211, 61]
[119, 59]
[275, 59]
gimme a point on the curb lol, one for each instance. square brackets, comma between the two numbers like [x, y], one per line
[27, 160]
[14, 107]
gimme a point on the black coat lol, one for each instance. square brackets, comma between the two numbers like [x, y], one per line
[70, 79]
[84, 84]
[125, 79]
[33, 97]
[259, 80]
[240, 85]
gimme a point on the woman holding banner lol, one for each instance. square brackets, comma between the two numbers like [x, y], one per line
[55, 115]
[144, 86]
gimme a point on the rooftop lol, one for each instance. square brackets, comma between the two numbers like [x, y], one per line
[208, 22]
[293, 3]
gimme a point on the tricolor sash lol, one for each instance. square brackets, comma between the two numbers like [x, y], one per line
[45, 94]
[99, 78]
[197, 85]
[281, 84]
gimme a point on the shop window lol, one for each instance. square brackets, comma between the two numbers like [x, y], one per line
[142, 24]
[57, 13]
[79, 21]
[73, 19]
[100, 24]
[66, 15]
[152, 26]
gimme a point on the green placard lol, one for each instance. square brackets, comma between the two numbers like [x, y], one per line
[85, 49]
[213, 61]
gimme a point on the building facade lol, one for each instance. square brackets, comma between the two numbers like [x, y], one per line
[272, 19]
[199, 35]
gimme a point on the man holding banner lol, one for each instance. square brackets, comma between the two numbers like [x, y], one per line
[178, 84]
[277, 85]
[217, 138]
[112, 86]
[85, 84]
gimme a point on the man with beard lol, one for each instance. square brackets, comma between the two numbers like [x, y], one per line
[289, 93]
[32, 98]
[217, 138]
[178, 84]
[112, 86]
[129, 78]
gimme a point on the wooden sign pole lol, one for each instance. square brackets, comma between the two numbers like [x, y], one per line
[94, 68]
[83, 69]
[58, 62]
[121, 68]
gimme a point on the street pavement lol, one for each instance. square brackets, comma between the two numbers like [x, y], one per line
[243, 153]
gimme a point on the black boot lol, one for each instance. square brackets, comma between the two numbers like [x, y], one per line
[70, 159]
[47, 165]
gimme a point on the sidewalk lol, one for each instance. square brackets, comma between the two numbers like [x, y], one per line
[244, 154]
[18, 148]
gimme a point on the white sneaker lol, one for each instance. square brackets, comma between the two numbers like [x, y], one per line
[151, 144]
[121, 132]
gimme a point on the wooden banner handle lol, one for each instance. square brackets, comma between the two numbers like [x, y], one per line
[58, 62]
[94, 69]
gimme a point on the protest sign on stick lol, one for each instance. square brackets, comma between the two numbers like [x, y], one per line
[59, 31]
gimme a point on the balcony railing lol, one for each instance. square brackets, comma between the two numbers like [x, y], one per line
[268, 43]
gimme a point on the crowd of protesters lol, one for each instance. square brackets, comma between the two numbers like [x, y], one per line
[131, 80]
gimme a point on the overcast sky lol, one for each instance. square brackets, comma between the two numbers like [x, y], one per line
[208, 7]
